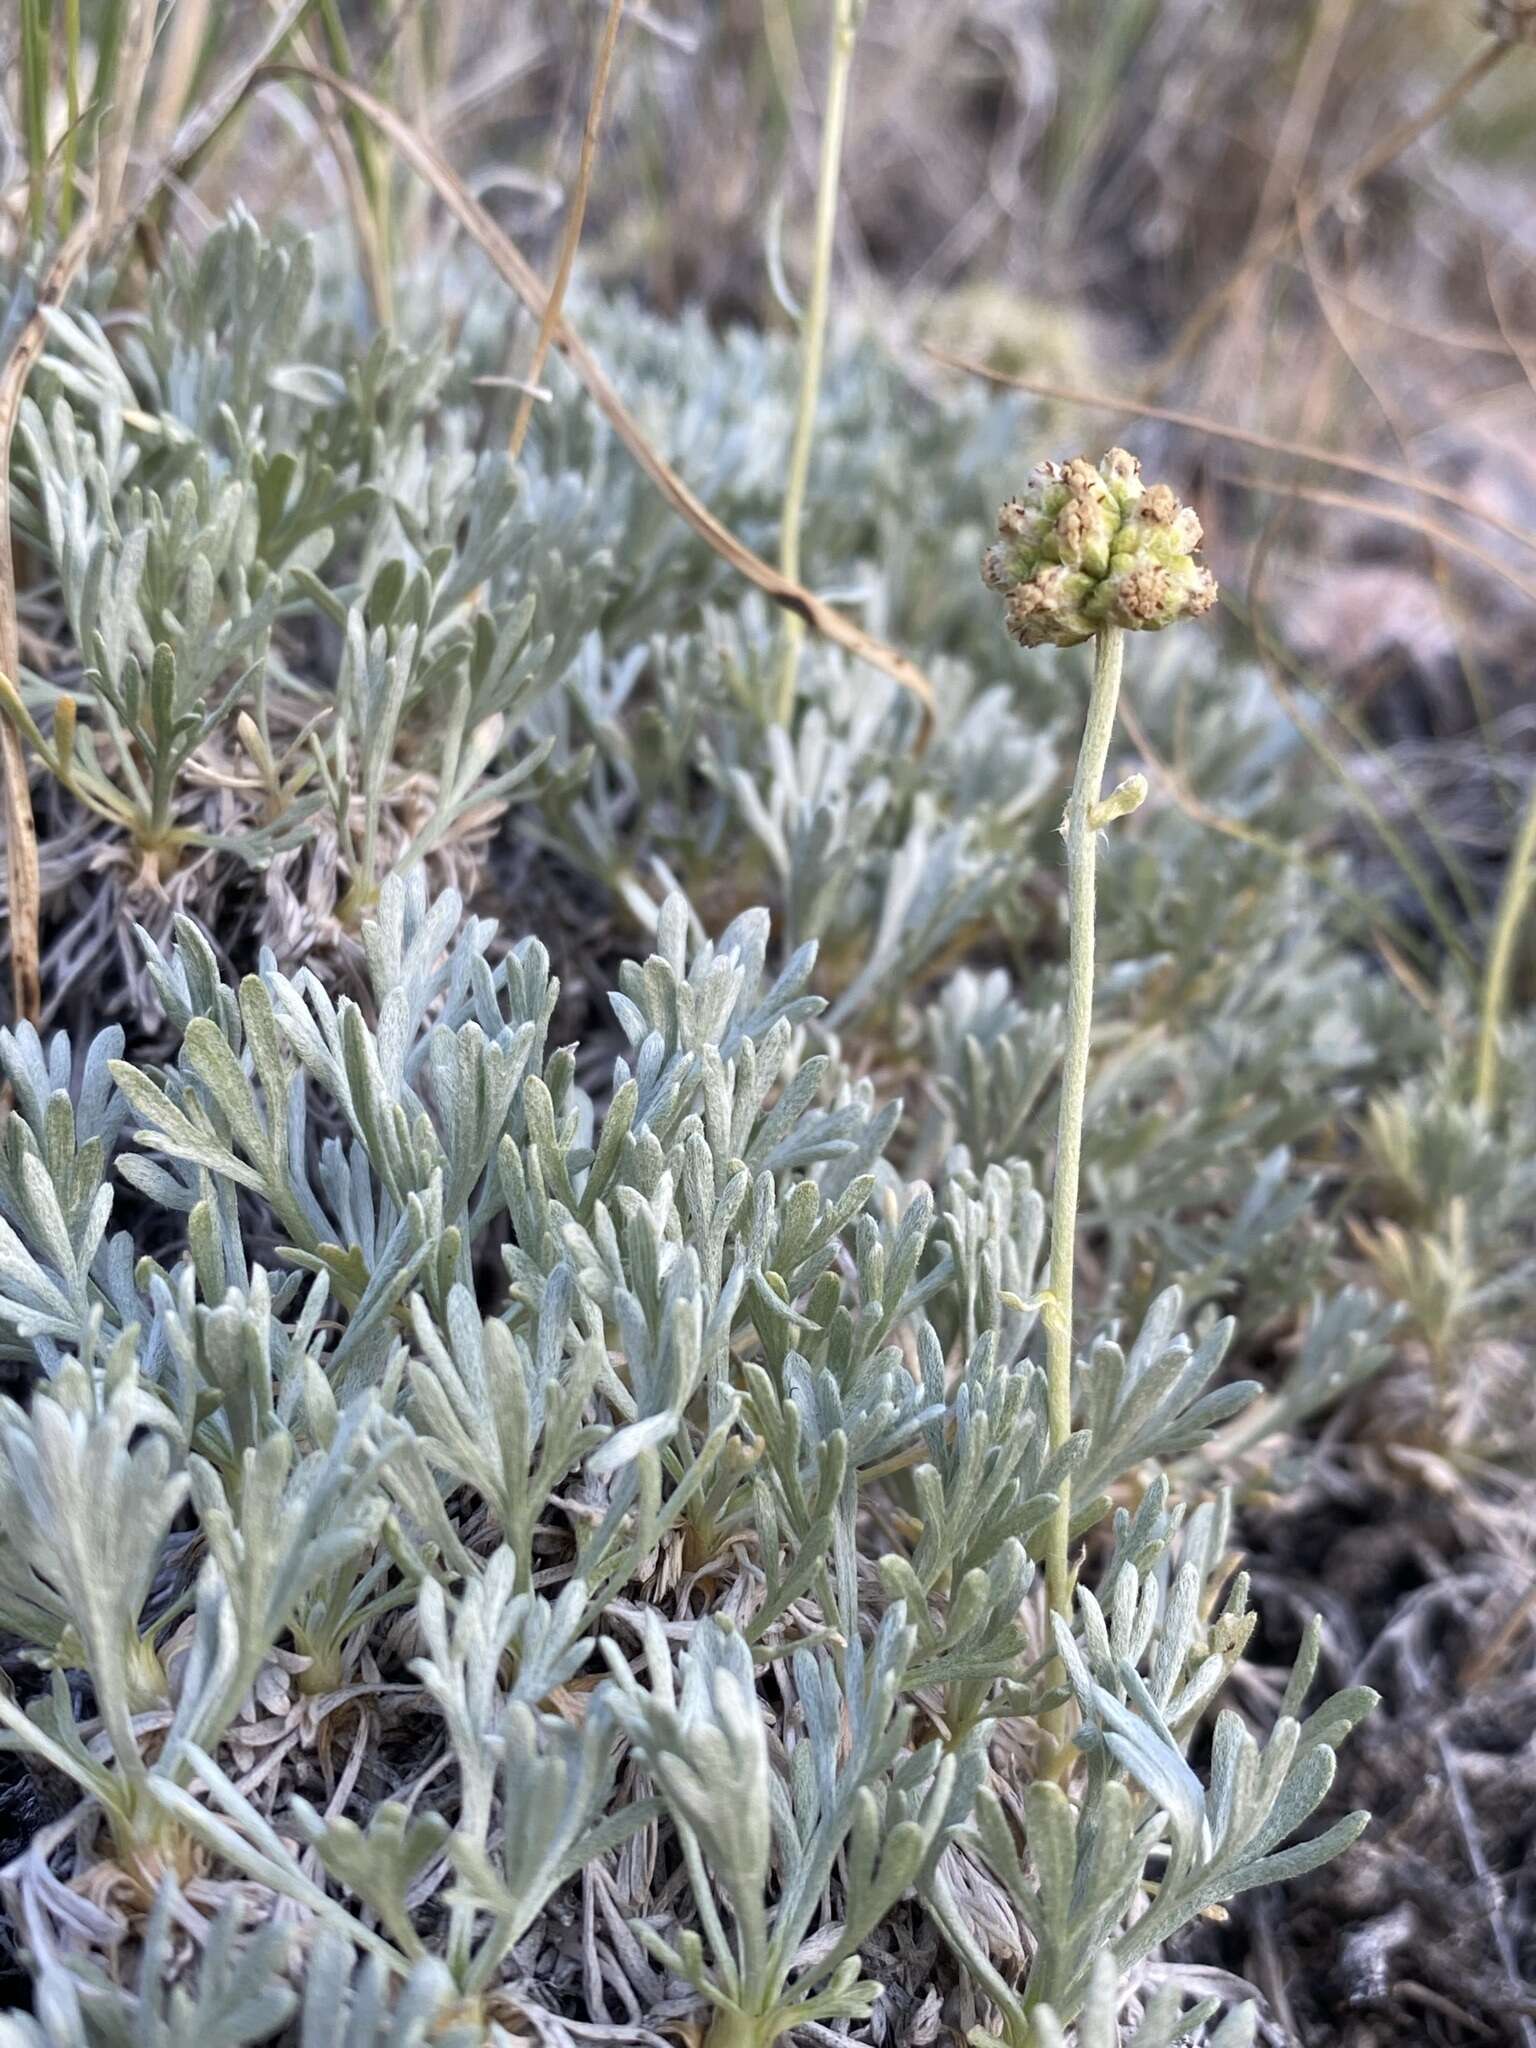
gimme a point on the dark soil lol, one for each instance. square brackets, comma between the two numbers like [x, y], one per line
[1426, 1932]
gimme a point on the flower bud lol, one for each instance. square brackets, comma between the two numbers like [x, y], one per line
[65, 720]
[1090, 546]
[1124, 798]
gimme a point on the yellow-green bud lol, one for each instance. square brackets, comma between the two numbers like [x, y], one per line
[1090, 546]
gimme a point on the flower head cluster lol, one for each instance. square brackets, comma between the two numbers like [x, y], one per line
[1094, 546]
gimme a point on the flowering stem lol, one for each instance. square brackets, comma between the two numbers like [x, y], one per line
[1081, 832]
[813, 334]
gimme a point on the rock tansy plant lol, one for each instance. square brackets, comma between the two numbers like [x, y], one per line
[523, 1505]
[299, 1477]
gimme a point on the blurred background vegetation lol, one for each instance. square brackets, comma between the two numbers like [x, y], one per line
[1285, 245]
[1295, 238]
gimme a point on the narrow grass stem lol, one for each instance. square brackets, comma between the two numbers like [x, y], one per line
[813, 333]
[32, 71]
[132, 48]
[372, 168]
[1519, 880]
[1313, 202]
[1081, 835]
[575, 214]
[72, 114]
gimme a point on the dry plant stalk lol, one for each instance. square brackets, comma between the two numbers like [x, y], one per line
[549, 319]
[1394, 515]
[843, 28]
[516, 271]
[1243, 437]
[1313, 202]
[20, 830]
[138, 51]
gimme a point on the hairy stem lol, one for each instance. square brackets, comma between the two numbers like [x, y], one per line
[1081, 838]
[732, 2029]
[1519, 879]
[813, 334]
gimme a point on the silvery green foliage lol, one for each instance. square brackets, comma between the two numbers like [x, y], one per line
[1166, 2020]
[430, 1363]
[451, 639]
[54, 1201]
[299, 566]
[1143, 1674]
[849, 1790]
[211, 478]
[992, 1061]
[452, 1365]
[84, 1471]
[242, 1997]
[239, 1999]
[1145, 1667]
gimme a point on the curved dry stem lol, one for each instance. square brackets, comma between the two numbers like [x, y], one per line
[1242, 437]
[515, 270]
[813, 338]
[550, 319]
[1312, 205]
[22, 874]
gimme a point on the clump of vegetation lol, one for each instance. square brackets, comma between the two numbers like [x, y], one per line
[289, 1484]
[640, 1329]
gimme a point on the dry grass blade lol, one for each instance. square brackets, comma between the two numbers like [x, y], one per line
[572, 235]
[1243, 437]
[199, 131]
[1312, 204]
[516, 271]
[1395, 515]
[20, 831]
[1279, 663]
[138, 50]
[1341, 328]
[186, 40]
